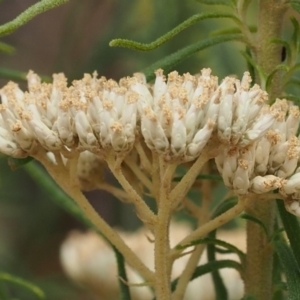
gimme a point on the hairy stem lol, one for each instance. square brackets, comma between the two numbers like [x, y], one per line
[163, 264]
[209, 226]
[258, 273]
[61, 175]
[203, 217]
[259, 259]
[144, 212]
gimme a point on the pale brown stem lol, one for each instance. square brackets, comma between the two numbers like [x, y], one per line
[259, 262]
[61, 176]
[162, 260]
[145, 162]
[116, 192]
[182, 188]
[143, 211]
[210, 226]
[155, 176]
[138, 173]
[203, 217]
[258, 273]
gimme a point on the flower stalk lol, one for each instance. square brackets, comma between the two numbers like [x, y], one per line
[258, 274]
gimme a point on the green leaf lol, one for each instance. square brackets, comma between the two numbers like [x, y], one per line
[174, 59]
[295, 5]
[216, 242]
[224, 206]
[250, 66]
[23, 283]
[281, 67]
[18, 75]
[296, 34]
[292, 228]
[295, 99]
[290, 73]
[290, 268]
[210, 267]
[231, 30]
[5, 48]
[255, 220]
[169, 35]
[251, 62]
[29, 14]
[215, 2]
[16, 163]
[124, 288]
[219, 286]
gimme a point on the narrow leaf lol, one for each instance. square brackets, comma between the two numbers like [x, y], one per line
[18, 75]
[174, 59]
[57, 194]
[23, 283]
[210, 267]
[5, 48]
[290, 268]
[281, 67]
[219, 286]
[217, 242]
[292, 228]
[124, 288]
[255, 220]
[16, 163]
[224, 206]
[215, 2]
[295, 5]
[169, 35]
[29, 14]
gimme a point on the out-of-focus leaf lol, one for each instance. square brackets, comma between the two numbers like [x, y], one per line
[124, 288]
[296, 33]
[23, 283]
[215, 2]
[291, 269]
[16, 163]
[5, 48]
[18, 75]
[172, 60]
[295, 5]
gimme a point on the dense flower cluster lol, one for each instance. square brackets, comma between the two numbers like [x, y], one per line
[176, 117]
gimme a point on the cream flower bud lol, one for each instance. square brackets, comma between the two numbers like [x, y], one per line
[265, 184]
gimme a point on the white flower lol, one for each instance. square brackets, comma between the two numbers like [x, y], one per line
[240, 120]
[178, 116]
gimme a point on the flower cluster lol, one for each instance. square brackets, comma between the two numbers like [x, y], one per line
[175, 117]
